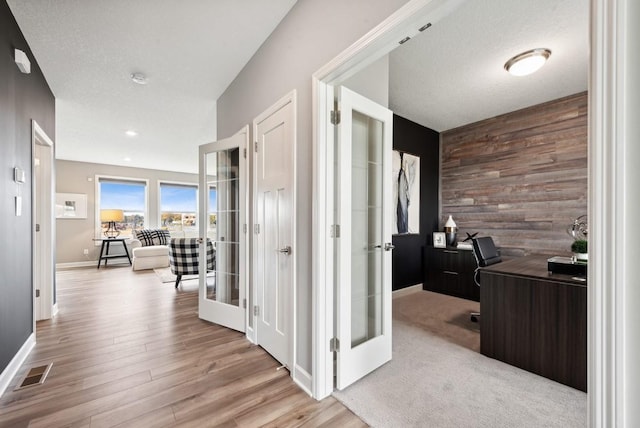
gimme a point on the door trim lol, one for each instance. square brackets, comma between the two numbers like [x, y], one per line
[378, 42]
[44, 196]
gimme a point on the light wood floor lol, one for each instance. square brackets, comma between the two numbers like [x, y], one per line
[130, 351]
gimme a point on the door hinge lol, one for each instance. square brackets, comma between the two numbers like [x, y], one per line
[244, 303]
[256, 229]
[256, 310]
[244, 153]
[37, 227]
[256, 146]
[335, 230]
[37, 292]
[335, 117]
[334, 345]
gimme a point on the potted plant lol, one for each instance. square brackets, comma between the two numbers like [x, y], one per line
[579, 248]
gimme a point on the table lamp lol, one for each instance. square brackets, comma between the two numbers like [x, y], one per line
[111, 217]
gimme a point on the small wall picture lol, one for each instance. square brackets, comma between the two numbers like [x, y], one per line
[71, 205]
[439, 240]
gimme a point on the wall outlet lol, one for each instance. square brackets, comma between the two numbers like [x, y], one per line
[85, 251]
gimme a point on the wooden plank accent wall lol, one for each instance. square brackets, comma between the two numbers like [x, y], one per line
[520, 177]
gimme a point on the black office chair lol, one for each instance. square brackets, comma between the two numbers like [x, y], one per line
[486, 254]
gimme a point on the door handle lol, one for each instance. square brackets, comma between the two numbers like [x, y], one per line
[286, 250]
[389, 246]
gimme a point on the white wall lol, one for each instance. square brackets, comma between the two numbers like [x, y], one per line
[372, 82]
[311, 35]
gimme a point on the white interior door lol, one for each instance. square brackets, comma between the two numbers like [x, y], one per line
[274, 254]
[223, 222]
[363, 257]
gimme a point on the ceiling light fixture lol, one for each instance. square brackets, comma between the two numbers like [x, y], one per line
[139, 78]
[527, 62]
[131, 133]
[127, 159]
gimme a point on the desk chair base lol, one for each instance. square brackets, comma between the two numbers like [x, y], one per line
[475, 316]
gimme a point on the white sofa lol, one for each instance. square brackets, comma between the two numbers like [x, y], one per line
[150, 249]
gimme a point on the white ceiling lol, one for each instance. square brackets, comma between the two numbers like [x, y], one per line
[190, 50]
[450, 75]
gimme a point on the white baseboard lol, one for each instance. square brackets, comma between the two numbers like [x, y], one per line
[54, 311]
[73, 265]
[407, 290]
[16, 362]
[302, 379]
[90, 263]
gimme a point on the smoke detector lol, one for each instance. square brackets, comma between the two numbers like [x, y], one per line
[139, 78]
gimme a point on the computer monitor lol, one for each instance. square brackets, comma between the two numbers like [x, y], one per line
[485, 251]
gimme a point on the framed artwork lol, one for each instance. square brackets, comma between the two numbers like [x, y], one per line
[406, 193]
[439, 240]
[71, 205]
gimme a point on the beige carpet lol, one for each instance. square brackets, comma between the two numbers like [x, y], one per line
[434, 381]
[446, 316]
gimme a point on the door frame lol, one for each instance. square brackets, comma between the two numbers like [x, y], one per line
[611, 110]
[299, 375]
[378, 42]
[43, 201]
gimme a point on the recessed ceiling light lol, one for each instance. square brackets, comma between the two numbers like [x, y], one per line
[127, 159]
[139, 78]
[131, 133]
[527, 62]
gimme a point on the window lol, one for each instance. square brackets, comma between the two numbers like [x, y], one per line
[128, 195]
[179, 208]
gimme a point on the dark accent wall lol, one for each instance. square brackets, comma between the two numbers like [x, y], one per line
[418, 140]
[520, 177]
[22, 97]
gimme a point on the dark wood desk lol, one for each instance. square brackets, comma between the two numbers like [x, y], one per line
[535, 320]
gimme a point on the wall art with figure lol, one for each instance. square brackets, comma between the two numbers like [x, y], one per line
[406, 193]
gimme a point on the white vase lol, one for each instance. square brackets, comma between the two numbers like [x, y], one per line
[581, 256]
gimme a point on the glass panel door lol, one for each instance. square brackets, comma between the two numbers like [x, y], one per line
[222, 220]
[363, 186]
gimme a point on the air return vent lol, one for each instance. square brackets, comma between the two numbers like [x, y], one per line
[35, 376]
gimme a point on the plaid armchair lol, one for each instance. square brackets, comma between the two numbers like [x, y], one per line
[183, 257]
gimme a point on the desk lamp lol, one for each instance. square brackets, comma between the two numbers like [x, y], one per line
[111, 217]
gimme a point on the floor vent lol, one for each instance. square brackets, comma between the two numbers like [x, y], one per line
[35, 376]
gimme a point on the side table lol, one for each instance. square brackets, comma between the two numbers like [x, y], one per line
[104, 250]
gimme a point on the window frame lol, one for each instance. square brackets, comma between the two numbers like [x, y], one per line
[177, 183]
[98, 194]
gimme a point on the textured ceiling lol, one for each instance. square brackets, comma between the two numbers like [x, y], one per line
[452, 74]
[190, 50]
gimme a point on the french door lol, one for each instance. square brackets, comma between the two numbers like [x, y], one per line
[223, 224]
[363, 249]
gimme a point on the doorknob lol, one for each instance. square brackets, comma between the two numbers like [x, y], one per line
[286, 250]
[389, 246]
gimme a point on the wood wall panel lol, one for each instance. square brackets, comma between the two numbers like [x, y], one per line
[520, 177]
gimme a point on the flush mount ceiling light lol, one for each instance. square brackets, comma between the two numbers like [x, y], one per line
[131, 133]
[527, 62]
[139, 78]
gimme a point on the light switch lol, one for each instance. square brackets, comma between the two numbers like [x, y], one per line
[19, 175]
[18, 206]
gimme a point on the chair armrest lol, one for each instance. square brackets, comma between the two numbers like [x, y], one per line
[135, 243]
